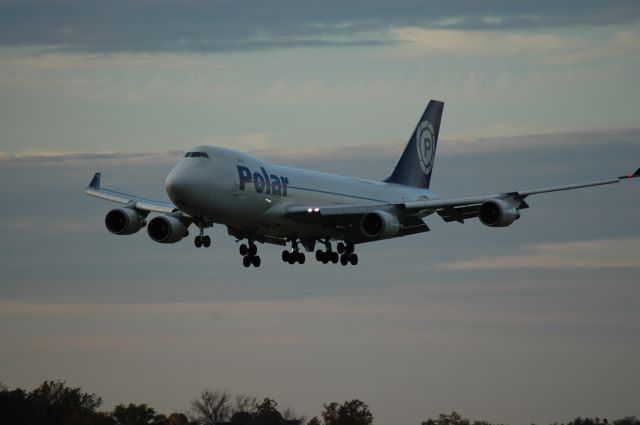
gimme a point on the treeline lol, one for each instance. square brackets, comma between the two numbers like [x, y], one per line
[55, 403]
[455, 419]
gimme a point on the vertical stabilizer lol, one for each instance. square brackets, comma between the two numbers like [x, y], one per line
[416, 163]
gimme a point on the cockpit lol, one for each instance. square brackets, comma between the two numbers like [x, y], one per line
[196, 155]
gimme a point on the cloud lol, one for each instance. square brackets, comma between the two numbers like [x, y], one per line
[598, 254]
[539, 48]
[221, 26]
[477, 43]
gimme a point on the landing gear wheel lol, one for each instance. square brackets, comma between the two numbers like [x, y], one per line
[334, 257]
[301, 258]
[349, 248]
[285, 256]
[197, 241]
[291, 259]
[344, 259]
[253, 249]
[246, 261]
[326, 257]
[319, 255]
[243, 250]
[340, 247]
[255, 261]
[206, 241]
[353, 259]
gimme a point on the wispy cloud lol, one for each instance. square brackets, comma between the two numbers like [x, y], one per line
[416, 40]
[598, 254]
[219, 26]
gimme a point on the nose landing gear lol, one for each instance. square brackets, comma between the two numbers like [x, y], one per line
[201, 239]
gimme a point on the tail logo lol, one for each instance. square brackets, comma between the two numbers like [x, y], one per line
[425, 145]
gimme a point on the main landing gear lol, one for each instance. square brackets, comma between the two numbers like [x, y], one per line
[346, 250]
[293, 256]
[249, 254]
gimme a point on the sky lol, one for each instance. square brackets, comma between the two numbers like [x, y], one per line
[536, 322]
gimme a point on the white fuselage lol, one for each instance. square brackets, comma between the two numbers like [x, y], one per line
[235, 189]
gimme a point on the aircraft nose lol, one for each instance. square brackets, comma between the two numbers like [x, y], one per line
[177, 187]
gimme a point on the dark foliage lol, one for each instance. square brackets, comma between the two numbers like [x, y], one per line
[352, 412]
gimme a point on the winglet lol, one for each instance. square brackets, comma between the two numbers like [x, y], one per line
[95, 181]
[630, 175]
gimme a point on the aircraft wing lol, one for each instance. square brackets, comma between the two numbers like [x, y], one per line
[450, 209]
[458, 209]
[137, 202]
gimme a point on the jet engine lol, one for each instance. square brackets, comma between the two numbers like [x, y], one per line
[497, 213]
[379, 225]
[124, 221]
[167, 229]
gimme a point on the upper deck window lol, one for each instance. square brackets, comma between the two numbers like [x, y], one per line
[196, 154]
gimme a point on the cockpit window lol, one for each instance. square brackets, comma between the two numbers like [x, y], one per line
[196, 155]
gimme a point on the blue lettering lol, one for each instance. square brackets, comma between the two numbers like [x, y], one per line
[244, 174]
[258, 182]
[276, 186]
[266, 180]
[262, 181]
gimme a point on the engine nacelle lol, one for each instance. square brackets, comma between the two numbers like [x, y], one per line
[497, 213]
[379, 225]
[167, 229]
[124, 221]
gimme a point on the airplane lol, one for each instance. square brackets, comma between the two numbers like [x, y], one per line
[262, 202]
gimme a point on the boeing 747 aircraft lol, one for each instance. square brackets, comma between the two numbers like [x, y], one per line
[268, 203]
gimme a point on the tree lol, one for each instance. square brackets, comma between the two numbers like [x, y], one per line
[244, 403]
[628, 420]
[267, 414]
[212, 407]
[137, 414]
[54, 403]
[352, 412]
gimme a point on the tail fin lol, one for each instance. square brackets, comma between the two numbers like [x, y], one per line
[416, 163]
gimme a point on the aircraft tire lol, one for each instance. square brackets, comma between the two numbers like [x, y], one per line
[206, 241]
[340, 247]
[344, 259]
[243, 250]
[349, 248]
[246, 261]
[301, 258]
[197, 242]
[253, 250]
[292, 259]
[285, 256]
[354, 259]
[319, 255]
[255, 261]
[334, 257]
